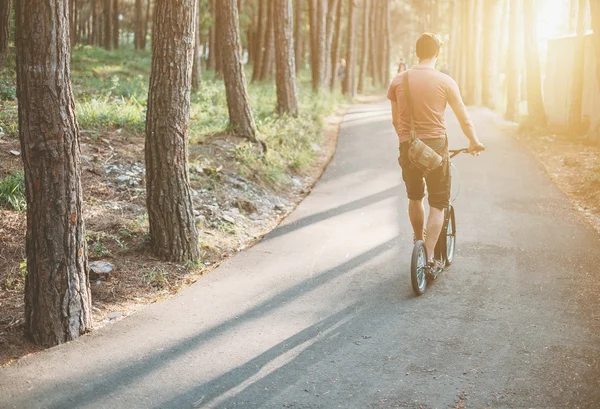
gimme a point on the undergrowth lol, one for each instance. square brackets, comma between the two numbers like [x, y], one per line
[111, 88]
[12, 192]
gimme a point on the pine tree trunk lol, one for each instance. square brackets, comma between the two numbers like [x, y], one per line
[95, 40]
[139, 29]
[266, 66]
[373, 60]
[512, 68]
[535, 103]
[298, 34]
[147, 21]
[575, 125]
[287, 94]
[491, 57]
[595, 12]
[321, 40]
[57, 295]
[335, 46]
[71, 21]
[197, 62]
[364, 47]
[348, 85]
[314, 49]
[107, 35]
[115, 24]
[173, 233]
[260, 39]
[387, 43]
[5, 9]
[329, 31]
[212, 43]
[240, 116]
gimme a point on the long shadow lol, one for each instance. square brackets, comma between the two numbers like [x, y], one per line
[210, 391]
[378, 117]
[96, 388]
[336, 211]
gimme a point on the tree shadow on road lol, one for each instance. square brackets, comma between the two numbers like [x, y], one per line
[111, 381]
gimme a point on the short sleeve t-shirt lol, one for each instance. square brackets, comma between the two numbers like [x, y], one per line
[431, 91]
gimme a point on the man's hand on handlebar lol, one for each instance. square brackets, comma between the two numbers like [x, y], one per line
[475, 147]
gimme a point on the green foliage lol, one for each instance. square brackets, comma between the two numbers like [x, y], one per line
[157, 278]
[12, 192]
[9, 121]
[15, 280]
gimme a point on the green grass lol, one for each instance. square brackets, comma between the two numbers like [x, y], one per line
[12, 192]
[111, 88]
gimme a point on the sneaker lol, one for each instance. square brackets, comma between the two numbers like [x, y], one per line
[433, 269]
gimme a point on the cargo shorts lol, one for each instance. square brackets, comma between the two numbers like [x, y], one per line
[437, 181]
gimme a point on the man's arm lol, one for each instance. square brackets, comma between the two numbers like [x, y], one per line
[396, 117]
[459, 109]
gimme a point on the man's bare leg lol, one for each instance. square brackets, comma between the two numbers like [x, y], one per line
[435, 222]
[416, 214]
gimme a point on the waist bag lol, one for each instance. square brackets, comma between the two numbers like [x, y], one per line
[421, 156]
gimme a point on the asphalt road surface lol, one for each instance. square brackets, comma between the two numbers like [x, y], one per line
[321, 313]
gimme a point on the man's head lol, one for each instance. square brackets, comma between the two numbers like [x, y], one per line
[428, 46]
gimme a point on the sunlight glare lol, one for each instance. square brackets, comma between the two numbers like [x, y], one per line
[553, 18]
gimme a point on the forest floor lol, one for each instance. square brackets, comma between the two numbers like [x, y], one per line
[239, 195]
[573, 163]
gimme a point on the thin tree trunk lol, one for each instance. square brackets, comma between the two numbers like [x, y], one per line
[57, 293]
[147, 21]
[348, 85]
[5, 9]
[139, 29]
[335, 47]
[107, 24]
[197, 62]
[373, 61]
[240, 116]
[266, 66]
[512, 68]
[287, 94]
[173, 233]
[212, 44]
[115, 24]
[387, 43]
[95, 24]
[364, 48]
[575, 125]
[298, 34]
[595, 12]
[321, 40]
[535, 103]
[329, 31]
[71, 21]
[259, 41]
[491, 57]
[314, 49]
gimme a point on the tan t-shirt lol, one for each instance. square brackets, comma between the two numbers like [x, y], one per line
[431, 91]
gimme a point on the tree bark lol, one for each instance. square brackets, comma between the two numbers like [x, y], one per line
[107, 24]
[364, 47]
[71, 21]
[595, 12]
[535, 103]
[348, 85]
[491, 57]
[95, 37]
[197, 62]
[373, 60]
[575, 124]
[5, 9]
[115, 24]
[266, 66]
[512, 68]
[298, 34]
[314, 49]
[173, 233]
[335, 47]
[57, 295]
[240, 116]
[287, 94]
[259, 40]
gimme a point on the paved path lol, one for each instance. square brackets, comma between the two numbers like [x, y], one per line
[321, 313]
